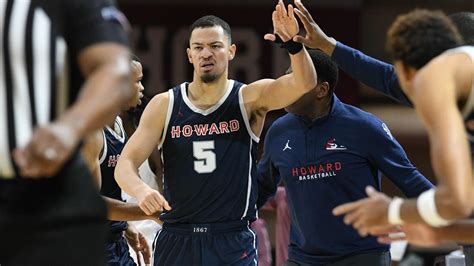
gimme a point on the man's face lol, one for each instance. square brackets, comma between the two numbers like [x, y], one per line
[137, 75]
[210, 52]
[305, 102]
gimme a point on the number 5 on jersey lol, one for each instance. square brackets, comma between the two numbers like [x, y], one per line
[205, 157]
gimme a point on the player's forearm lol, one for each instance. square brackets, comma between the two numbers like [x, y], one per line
[461, 232]
[123, 211]
[304, 75]
[452, 166]
[106, 92]
[409, 212]
[126, 175]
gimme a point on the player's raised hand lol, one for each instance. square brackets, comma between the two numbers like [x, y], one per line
[49, 148]
[151, 201]
[368, 214]
[315, 36]
[284, 21]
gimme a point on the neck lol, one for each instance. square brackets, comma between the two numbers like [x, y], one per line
[207, 94]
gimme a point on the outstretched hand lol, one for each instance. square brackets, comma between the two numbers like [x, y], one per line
[285, 24]
[315, 37]
[367, 215]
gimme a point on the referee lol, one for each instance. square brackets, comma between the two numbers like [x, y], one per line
[64, 72]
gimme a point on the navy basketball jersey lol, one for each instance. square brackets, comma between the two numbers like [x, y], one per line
[209, 159]
[114, 141]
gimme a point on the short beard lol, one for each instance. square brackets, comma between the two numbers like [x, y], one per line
[209, 78]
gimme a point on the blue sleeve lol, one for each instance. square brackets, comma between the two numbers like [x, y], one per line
[388, 156]
[268, 177]
[370, 71]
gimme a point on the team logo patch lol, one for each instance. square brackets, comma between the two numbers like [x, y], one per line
[385, 128]
[287, 146]
[331, 145]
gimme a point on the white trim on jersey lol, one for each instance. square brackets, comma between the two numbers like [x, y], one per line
[6, 167]
[249, 184]
[104, 149]
[167, 120]
[212, 108]
[21, 94]
[245, 116]
[41, 65]
[120, 137]
[62, 74]
[469, 51]
[254, 244]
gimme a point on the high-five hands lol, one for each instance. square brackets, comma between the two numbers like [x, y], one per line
[285, 24]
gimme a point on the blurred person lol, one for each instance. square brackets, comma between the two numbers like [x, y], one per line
[64, 73]
[102, 151]
[279, 204]
[420, 43]
[208, 132]
[327, 152]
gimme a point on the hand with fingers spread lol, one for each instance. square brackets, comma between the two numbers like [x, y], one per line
[49, 148]
[151, 201]
[137, 241]
[315, 36]
[285, 24]
[366, 215]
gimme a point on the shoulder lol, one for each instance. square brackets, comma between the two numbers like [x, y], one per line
[159, 103]
[354, 114]
[363, 120]
[280, 125]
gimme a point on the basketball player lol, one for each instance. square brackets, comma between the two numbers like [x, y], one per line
[451, 73]
[103, 150]
[208, 131]
[327, 152]
[50, 211]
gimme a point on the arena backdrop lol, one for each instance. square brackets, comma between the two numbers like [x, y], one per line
[160, 38]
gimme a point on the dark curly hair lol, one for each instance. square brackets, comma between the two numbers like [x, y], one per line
[420, 35]
[464, 22]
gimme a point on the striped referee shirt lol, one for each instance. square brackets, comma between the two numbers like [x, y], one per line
[39, 75]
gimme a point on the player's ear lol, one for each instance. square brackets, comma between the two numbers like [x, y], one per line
[188, 51]
[232, 50]
[322, 89]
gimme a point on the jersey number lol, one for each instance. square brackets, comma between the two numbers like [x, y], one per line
[205, 157]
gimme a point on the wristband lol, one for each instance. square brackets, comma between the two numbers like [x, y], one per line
[291, 46]
[426, 206]
[394, 211]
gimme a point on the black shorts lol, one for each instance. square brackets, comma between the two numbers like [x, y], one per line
[364, 259]
[118, 253]
[54, 220]
[231, 243]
